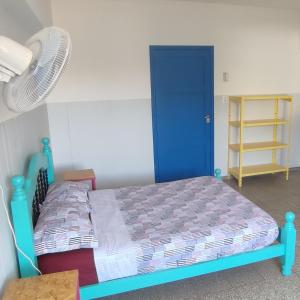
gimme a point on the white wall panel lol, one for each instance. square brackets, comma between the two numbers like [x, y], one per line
[19, 138]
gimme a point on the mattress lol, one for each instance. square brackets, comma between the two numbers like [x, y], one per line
[143, 229]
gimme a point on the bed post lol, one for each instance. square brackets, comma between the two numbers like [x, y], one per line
[288, 238]
[23, 227]
[218, 174]
[48, 152]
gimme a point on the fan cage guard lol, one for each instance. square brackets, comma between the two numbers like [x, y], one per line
[24, 92]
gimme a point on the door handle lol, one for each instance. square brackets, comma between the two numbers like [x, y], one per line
[207, 119]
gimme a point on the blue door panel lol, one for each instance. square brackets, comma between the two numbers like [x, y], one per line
[182, 95]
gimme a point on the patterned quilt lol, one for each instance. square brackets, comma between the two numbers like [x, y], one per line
[143, 229]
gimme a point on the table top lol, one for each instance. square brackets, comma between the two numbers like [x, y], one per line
[55, 286]
[76, 175]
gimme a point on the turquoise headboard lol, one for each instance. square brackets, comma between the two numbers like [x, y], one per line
[24, 188]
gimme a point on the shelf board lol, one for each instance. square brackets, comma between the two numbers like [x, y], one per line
[257, 170]
[262, 122]
[260, 97]
[247, 147]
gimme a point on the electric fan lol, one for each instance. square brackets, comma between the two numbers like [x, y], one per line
[30, 72]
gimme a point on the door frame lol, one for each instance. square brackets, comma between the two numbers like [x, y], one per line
[210, 51]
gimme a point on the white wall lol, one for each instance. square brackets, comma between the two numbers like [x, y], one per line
[258, 47]
[20, 135]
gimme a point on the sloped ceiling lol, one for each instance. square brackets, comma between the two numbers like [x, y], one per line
[16, 16]
[42, 9]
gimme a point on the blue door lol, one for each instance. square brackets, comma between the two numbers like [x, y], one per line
[182, 111]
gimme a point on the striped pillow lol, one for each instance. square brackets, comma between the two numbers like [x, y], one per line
[64, 227]
[67, 191]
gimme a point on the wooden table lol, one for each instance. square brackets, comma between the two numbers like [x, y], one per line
[81, 175]
[56, 286]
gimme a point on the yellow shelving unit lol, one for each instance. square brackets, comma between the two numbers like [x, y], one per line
[241, 171]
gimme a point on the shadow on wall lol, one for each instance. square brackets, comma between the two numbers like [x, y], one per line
[112, 137]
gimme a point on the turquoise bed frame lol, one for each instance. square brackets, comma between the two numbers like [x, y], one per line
[21, 205]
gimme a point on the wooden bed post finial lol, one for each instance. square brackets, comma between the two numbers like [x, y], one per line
[288, 237]
[48, 152]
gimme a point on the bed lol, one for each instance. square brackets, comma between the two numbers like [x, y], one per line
[154, 234]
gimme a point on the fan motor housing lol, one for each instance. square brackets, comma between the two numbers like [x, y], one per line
[14, 57]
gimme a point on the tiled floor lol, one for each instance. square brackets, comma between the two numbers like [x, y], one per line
[258, 281]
